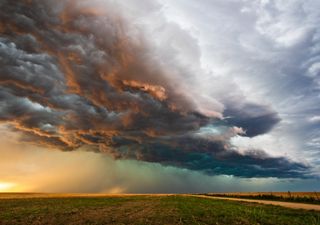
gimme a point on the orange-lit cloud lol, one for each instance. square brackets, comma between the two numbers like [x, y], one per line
[78, 75]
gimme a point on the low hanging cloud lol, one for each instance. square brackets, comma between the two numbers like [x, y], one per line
[75, 73]
[255, 119]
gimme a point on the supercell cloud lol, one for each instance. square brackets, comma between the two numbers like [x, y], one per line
[77, 73]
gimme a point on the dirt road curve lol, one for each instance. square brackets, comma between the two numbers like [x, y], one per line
[292, 205]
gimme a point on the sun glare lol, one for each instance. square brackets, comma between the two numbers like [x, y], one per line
[6, 187]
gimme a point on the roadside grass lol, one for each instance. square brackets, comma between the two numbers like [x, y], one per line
[308, 198]
[227, 212]
[175, 209]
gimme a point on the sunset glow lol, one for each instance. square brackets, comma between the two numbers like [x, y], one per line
[7, 187]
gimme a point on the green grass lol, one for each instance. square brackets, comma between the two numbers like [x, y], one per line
[148, 210]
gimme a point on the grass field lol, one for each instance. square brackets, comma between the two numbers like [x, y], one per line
[158, 209]
[283, 194]
[302, 197]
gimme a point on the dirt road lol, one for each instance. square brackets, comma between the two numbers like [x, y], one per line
[292, 205]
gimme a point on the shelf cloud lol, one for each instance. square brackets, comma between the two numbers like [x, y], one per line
[89, 73]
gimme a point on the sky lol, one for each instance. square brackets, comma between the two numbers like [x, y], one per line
[159, 96]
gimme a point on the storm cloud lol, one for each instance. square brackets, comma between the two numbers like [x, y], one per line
[79, 73]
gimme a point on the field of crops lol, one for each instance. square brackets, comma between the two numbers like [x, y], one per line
[282, 194]
[301, 197]
[144, 209]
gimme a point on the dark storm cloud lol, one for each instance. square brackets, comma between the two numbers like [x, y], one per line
[254, 119]
[210, 157]
[72, 74]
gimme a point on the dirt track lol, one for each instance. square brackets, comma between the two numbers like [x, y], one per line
[292, 205]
